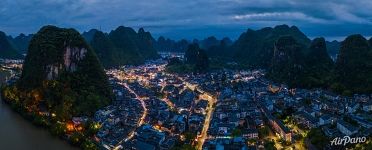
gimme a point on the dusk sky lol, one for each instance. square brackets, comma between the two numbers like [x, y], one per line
[189, 19]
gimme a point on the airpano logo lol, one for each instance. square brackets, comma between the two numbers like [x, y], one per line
[347, 140]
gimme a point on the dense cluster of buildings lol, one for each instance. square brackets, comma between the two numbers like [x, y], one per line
[226, 109]
[234, 105]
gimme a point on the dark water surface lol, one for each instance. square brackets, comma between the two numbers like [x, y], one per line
[16, 133]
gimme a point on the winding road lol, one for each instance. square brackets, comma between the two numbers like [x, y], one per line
[141, 121]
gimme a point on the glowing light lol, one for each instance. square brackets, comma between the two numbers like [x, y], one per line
[182, 137]
[79, 128]
[70, 127]
[97, 126]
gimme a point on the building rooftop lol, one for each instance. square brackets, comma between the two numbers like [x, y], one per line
[347, 125]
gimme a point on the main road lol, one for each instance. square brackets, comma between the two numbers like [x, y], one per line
[205, 95]
[142, 100]
[210, 109]
[212, 100]
[141, 121]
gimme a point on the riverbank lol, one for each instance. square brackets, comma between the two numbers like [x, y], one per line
[80, 133]
[16, 133]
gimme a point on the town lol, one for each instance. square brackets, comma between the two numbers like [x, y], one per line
[230, 109]
[223, 109]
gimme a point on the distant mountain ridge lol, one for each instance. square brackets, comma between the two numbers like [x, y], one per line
[122, 46]
[290, 64]
[6, 48]
[163, 44]
[333, 48]
[287, 53]
[353, 71]
[21, 42]
[88, 35]
[167, 45]
[255, 47]
[287, 64]
[211, 44]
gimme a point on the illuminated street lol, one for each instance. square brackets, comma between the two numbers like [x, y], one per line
[142, 100]
[168, 102]
[142, 119]
[211, 102]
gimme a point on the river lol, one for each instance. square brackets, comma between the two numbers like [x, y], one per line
[16, 133]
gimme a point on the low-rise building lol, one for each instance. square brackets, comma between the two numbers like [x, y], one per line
[326, 119]
[250, 133]
[306, 119]
[367, 106]
[346, 128]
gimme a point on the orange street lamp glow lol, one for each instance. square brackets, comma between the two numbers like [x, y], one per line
[70, 127]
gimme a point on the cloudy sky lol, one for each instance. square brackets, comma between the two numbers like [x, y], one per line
[332, 19]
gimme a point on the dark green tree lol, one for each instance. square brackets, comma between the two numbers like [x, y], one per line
[317, 137]
[89, 145]
[269, 145]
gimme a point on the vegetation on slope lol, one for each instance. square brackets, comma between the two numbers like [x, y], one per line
[6, 49]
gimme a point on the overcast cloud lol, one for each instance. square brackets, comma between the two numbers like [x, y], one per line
[190, 18]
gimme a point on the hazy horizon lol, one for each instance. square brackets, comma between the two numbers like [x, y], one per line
[332, 19]
[217, 35]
